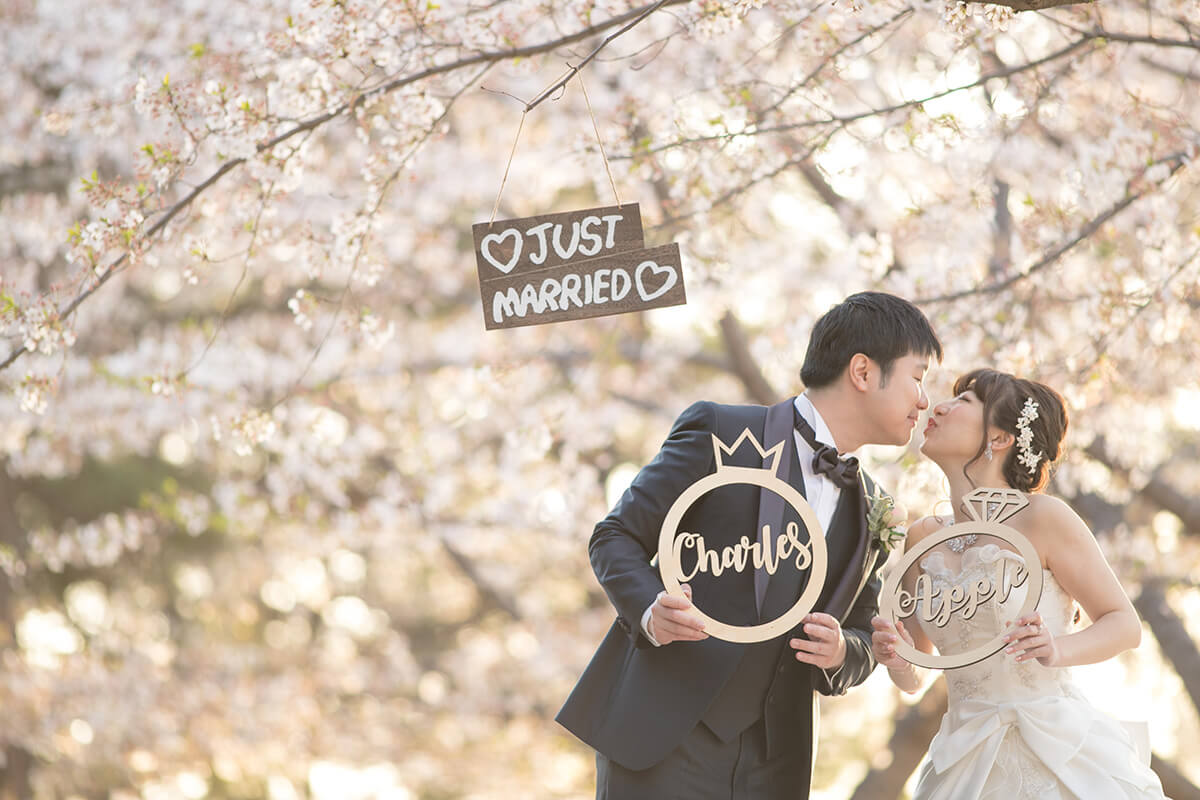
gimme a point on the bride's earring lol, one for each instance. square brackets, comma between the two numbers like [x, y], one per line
[988, 452]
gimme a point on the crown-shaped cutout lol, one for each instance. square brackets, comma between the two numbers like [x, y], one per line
[774, 453]
[994, 505]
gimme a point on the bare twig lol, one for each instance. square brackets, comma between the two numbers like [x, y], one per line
[563, 81]
[846, 119]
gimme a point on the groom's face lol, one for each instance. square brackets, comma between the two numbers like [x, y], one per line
[897, 399]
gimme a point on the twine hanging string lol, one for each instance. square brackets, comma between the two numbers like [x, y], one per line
[559, 84]
[507, 166]
[599, 141]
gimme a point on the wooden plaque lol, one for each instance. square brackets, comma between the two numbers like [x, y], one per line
[773, 550]
[632, 280]
[988, 509]
[510, 247]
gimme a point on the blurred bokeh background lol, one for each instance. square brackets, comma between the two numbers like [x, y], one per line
[279, 519]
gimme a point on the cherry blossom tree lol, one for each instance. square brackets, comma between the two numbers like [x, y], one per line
[279, 518]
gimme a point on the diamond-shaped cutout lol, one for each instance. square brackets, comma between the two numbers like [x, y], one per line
[994, 505]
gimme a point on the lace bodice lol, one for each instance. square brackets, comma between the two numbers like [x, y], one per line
[998, 678]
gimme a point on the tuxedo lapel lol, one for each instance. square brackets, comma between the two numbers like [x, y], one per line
[872, 556]
[859, 567]
[777, 427]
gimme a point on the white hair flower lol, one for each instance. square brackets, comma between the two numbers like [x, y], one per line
[1025, 454]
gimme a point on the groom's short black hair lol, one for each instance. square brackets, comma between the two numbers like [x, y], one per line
[881, 326]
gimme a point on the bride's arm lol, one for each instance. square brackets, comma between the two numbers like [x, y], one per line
[908, 677]
[1074, 557]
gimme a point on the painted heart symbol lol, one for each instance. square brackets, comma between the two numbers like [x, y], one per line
[498, 238]
[657, 270]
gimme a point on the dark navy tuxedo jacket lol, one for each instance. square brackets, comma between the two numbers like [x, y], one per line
[635, 702]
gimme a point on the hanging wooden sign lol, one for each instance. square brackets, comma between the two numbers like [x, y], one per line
[574, 265]
[633, 280]
[768, 550]
[509, 247]
[939, 602]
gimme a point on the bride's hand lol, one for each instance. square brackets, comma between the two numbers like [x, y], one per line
[1030, 638]
[883, 641]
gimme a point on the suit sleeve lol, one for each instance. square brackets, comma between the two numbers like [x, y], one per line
[624, 542]
[857, 631]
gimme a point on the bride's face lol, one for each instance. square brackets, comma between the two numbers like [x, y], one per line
[955, 429]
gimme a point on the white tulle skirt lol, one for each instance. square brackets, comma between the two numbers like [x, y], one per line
[1049, 748]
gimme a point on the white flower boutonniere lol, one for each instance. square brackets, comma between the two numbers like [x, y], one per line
[885, 521]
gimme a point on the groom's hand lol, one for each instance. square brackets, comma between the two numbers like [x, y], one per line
[672, 620]
[825, 646]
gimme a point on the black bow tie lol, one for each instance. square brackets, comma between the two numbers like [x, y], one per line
[842, 471]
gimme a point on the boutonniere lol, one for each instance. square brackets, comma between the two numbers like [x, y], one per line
[885, 521]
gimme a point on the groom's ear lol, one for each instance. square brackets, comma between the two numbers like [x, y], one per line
[859, 371]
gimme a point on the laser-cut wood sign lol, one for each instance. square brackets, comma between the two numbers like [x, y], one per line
[988, 509]
[574, 265]
[770, 551]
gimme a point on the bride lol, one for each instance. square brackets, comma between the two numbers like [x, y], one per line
[1016, 726]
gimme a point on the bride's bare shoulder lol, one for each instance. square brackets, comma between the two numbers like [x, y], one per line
[1052, 520]
[1044, 505]
[924, 527]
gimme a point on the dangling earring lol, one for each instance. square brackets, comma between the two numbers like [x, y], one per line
[988, 452]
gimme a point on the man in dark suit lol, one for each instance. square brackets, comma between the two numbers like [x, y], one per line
[672, 712]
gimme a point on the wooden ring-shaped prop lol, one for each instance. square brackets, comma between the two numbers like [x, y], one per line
[889, 595]
[671, 569]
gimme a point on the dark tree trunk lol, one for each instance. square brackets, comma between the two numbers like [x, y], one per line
[910, 740]
[1175, 785]
[18, 762]
[1177, 646]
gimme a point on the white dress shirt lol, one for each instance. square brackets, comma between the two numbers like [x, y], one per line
[821, 492]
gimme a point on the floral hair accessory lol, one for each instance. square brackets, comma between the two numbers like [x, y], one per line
[1025, 453]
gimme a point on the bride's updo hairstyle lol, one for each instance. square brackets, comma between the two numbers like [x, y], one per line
[1004, 397]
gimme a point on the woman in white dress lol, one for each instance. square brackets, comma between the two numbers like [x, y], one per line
[1016, 726]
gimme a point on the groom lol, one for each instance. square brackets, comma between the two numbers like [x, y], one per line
[672, 712]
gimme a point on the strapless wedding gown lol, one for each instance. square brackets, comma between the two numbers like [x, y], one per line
[1020, 730]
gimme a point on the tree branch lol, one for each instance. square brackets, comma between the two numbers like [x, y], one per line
[1133, 38]
[910, 739]
[854, 218]
[1031, 5]
[46, 177]
[1172, 636]
[1064, 247]
[573, 71]
[489, 596]
[12, 538]
[1006, 72]
[829, 59]
[742, 361]
[728, 195]
[1157, 490]
[1002, 232]
[1182, 74]
[345, 109]
[1175, 784]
